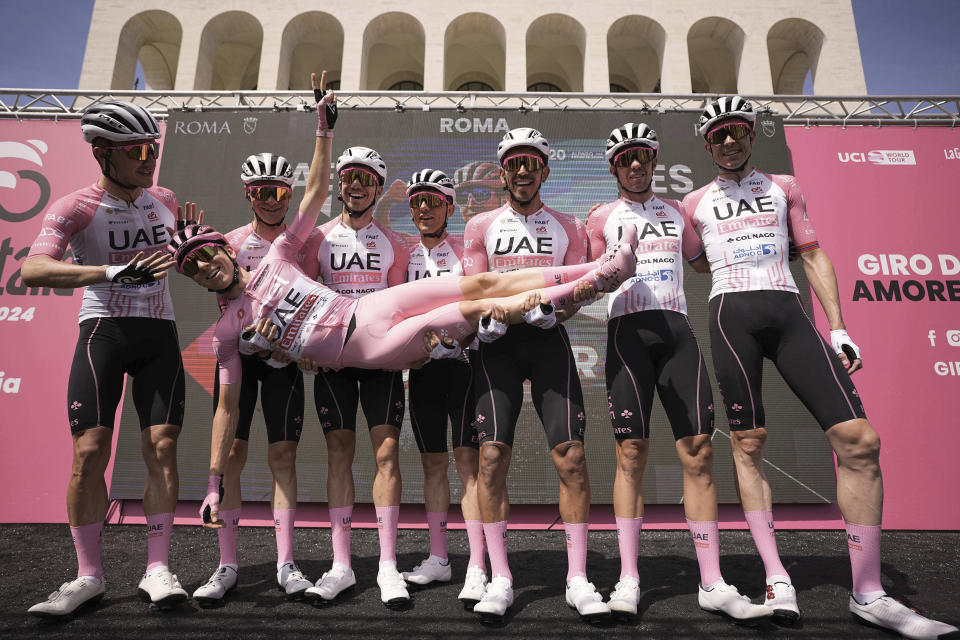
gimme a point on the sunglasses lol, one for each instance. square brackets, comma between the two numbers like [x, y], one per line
[531, 162]
[433, 200]
[735, 131]
[263, 193]
[205, 252]
[364, 177]
[626, 158]
[480, 194]
[140, 151]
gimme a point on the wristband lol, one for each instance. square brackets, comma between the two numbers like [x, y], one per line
[543, 315]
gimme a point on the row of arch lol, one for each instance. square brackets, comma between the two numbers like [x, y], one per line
[474, 53]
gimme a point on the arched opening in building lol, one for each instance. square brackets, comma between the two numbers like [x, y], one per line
[393, 50]
[794, 47]
[635, 54]
[555, 49]
[714, 45]
[152, 39]
[312, 42]
[474, 54]
[229, 55]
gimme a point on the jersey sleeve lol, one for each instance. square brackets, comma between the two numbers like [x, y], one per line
[690, 245]
[226, 344]
[65, 218]
[595, 224]
[397, 273]
[474, 248]
[288, 243]
[168, 198]
[577, 246]
[690, 203]
[798, 224]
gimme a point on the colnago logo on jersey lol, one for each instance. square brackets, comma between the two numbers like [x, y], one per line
[356, 262]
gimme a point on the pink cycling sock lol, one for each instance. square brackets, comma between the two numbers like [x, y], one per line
[283, 520]
[87, 540]
[864, 544]
[576, 535]
[553, 276]
[387, 518]
[437, 522]
[706, 541]
[628, 537]
[159, 528]
[477, 545]
[227, 536]
[495, 534]
[340, 520]
[764, 536]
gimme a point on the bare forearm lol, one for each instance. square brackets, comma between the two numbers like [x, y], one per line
[823, 281]
[318, 180]
[224, 431]
[44, 271]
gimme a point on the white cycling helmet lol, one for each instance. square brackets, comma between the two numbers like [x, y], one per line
[266, 166]
[723, 108]
[432, 179]
[630, 135]
[118, 122]
[364, 157]
[523, 137]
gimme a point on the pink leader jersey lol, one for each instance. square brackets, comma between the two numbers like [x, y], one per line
[504, 240]
[666, 238]
[443, 259]
[747, 229]
[309, 315]
[102, 229]
[355, 263]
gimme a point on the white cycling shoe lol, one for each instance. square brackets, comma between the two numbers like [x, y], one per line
[292, 582]
[583, 596]
[724, 598]
[213, 591]
[781, 598]
[393, 588]
[433, 569]
[161, 588]
[889, 613]
[70, 597]
[625, 597]
[474, 586]
[496, 600]
[331, 584]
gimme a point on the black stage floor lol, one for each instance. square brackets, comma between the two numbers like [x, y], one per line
[920, 568]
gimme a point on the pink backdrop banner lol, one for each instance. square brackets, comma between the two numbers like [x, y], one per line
[884, 205]
[40, 161]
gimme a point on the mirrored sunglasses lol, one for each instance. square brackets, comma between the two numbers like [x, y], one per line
[205, 252]
[735, 131]
[364, 177]
[626, 158]
[264, 193]
[432, 199]
[480, 194]
[531, 162]
[140, 151]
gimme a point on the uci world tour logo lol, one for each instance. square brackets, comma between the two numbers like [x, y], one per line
[14, 183]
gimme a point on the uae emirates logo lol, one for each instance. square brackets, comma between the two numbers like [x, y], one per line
[249, 125]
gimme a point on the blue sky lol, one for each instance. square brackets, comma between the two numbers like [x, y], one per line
[908, 47]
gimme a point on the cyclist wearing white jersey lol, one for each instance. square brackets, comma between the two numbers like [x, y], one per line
[748, 221]
[440, 390]
[651, 345]
[126, 327]
[268, 185]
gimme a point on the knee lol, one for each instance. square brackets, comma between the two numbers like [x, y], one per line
[387, 457]
[282, 460]
[572, 463]
[492, 459]
[340, 450]
[435, 466]
[487, 281]
[697, 457]
[749, 445]
[165, 452]
[632, 456]
[90, 460]
[861, 451]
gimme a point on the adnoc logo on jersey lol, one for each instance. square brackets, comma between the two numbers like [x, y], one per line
[880, 156]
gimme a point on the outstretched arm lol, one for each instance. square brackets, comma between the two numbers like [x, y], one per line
[318, 180]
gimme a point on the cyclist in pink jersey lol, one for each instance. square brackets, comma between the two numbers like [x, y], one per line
[651, 346]
[126, 327]
[747, 220]
[441, 389]
[358, 255]
[525, 233]
[268, 186]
